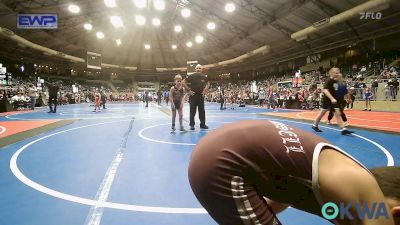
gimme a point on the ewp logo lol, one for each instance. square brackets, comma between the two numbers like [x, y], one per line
[37, 21]
[331, 211]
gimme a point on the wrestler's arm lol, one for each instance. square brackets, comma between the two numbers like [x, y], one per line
[171, 91]
[348, 182]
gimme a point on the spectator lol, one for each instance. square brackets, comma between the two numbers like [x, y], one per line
[395, 85]
[103, 98]
[53, 93]
[221, 97]
[374, 88]
[368, 96]
[352, 97]
[159, 96]
[32, 93]
[261, 97]
[19, 101]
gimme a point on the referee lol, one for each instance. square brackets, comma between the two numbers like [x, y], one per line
[197, 84]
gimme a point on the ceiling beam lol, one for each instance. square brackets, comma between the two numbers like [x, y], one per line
[295, 54]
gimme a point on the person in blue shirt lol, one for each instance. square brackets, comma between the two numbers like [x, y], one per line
[166, 97]
[368, 96]
[342, 95]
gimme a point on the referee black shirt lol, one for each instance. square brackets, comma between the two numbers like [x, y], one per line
[53, 89]
[197, 82]
[332, 87]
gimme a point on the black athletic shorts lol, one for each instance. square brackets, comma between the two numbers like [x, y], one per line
[177, 105]
[327, 104]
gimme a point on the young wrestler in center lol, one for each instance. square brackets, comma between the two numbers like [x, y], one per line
[246, 172]
[177, 96]
[97, 100]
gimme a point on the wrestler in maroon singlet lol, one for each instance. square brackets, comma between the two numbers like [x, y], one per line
[235, 167]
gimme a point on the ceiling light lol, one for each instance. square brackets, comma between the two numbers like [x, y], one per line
[116, 21]
[87, 26]
[147, 46]
[74, 8]
[140, 3]
[185, 13]
[230, 7]
[156, 22]
[174, 46]
[178, 28]
[199, 39]
[100, 35]
[159, 5]
[211, 26]
[110, 3]
[140, 20]
[118, 41]
[189, 44]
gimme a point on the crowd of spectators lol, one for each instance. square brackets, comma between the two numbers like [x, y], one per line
[269, 94]
[27, 93]
[263, 90]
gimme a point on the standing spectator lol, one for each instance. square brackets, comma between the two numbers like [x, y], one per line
[53, 92]
[103, 98]
[330, 101]
[32, 93]
[374, 88]
[197, 84]
[146, 98]
[222, 97]
[166, 97]
[261, 97]
[368, 96]
[352, 97]
[386, 92]
[395, 84]
[391, 90]
[232, 98]
[159, 96]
